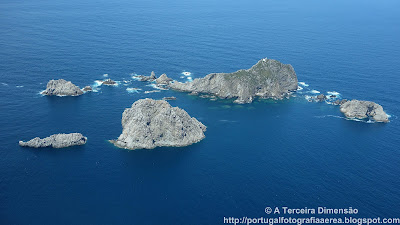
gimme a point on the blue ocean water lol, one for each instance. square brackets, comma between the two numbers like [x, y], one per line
[269, 153]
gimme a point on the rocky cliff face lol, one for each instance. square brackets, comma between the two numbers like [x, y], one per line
[152, 123]
[62, 87]
[56, 141]
[364, 109]
[267, 79]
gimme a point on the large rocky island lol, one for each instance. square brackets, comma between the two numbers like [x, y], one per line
[268, 78]
[153, 123]
[62, 87]
[56, 141]
[364, 109]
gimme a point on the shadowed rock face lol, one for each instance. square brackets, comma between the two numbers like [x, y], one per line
[62, 87]
[267, 79]
[56, 141]
[87, 88]
[153, 123]
[364, 109]
[163, 79]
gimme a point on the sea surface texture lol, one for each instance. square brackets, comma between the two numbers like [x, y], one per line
[291, 153]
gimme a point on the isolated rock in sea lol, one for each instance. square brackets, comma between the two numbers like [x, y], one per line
[109, 82]
[153, 123]
[267, 79]
[321, 97]
[87, 88]
[169, 98]
[364, 109]
[163, 79]
[62, 87]
[56, 141]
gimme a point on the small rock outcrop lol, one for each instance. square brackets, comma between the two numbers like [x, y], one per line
[267, 79]
[169, 98]
[163, 80]
[153, 123]
[152, 77]
[321, 98]
[62, 87]
[109, 82]
[364, 109]
[87, 88]
[56, 141]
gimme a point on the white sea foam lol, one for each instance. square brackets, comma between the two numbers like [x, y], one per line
[105, 75]
[315, 92]
[135, 76]
[303, 84]
[182, 76]
[98, 83]
[155, 86]
[333, 93]
[154, 91]
[308, 98]
[299, 88]
[133, 90]
[4, 84]
[189, 78]
[228, 121]
[343, 117]
[187, 73]
[19, 86]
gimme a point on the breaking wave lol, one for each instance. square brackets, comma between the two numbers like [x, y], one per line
[343, 117]
[303, 84]
[133, 90]
[187, 73]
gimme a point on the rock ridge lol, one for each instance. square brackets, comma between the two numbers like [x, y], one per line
[56, 141]
[268, 78]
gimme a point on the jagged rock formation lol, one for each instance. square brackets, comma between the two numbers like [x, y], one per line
[56, 141]
[364, 109]
[152, 77]
[87, 88]
[163, 80]
[267, 79]
[62, 87]
[152, 123]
